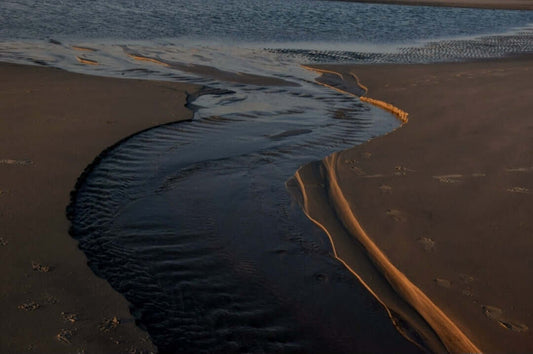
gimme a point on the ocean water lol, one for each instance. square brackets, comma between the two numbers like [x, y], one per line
[193, 222]
[247, 20]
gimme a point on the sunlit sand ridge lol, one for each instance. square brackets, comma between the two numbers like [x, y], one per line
[82, 49]
[451, 336]
[402, 115]
[147, 59]
[315, 181]
[86, 61]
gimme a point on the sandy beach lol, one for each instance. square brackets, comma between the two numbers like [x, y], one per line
[433, 218]
[53, 124]
[447, 198]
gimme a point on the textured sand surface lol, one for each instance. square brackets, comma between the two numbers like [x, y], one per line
[448, 197]
[52, 125]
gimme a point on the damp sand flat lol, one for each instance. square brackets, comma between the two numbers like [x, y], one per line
[448, 197]
[52, 125]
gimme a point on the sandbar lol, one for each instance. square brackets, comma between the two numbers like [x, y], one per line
[448, 197]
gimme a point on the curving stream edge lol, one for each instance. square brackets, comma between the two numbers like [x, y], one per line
[324, 203]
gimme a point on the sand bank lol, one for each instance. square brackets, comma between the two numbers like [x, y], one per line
[448, 197]
[52, 125]
[481, 4]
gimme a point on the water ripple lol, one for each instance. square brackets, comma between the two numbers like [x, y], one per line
[193, 224]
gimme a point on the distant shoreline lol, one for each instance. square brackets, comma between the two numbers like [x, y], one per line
[476, 4]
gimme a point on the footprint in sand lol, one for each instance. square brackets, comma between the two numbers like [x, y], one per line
[108, 324]
[396, 215]
[402, 170]
[496, 314]
[465, 278]
[467, 292]
[69, 317]
[443, 283]
[449, 178]
[40, 268]
[65, 336]
[29, 306]
[378, 175]
[353, 166]
[520, 169]
[427, 243]
[457, 178]
[366, 155]
[49, 299]
[16, 162]
[358, 171]
[385, 189]
[518, 190]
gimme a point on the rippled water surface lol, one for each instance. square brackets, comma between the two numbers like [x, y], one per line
[192, 221]
[194, 224]
[247, 20]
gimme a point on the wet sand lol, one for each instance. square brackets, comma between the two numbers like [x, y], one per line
[53, 124]
[442, 197]
[481, 4]
[447, 198]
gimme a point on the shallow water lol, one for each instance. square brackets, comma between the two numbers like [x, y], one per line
[192, 221]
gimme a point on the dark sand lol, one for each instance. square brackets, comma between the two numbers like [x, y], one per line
[448, 197]
[52, 125]
[481, 4]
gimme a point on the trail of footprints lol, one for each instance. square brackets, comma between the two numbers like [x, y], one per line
[65, 335]
[458, 178]
[497, 314]
[493, 313]
[454, 178]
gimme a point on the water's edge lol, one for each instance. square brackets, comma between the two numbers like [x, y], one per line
[90, 168]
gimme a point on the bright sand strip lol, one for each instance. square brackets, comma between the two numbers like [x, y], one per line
[482, 4]
[447, 198]
[52, 125]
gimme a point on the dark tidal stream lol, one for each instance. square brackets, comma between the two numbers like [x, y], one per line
[193, 223]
